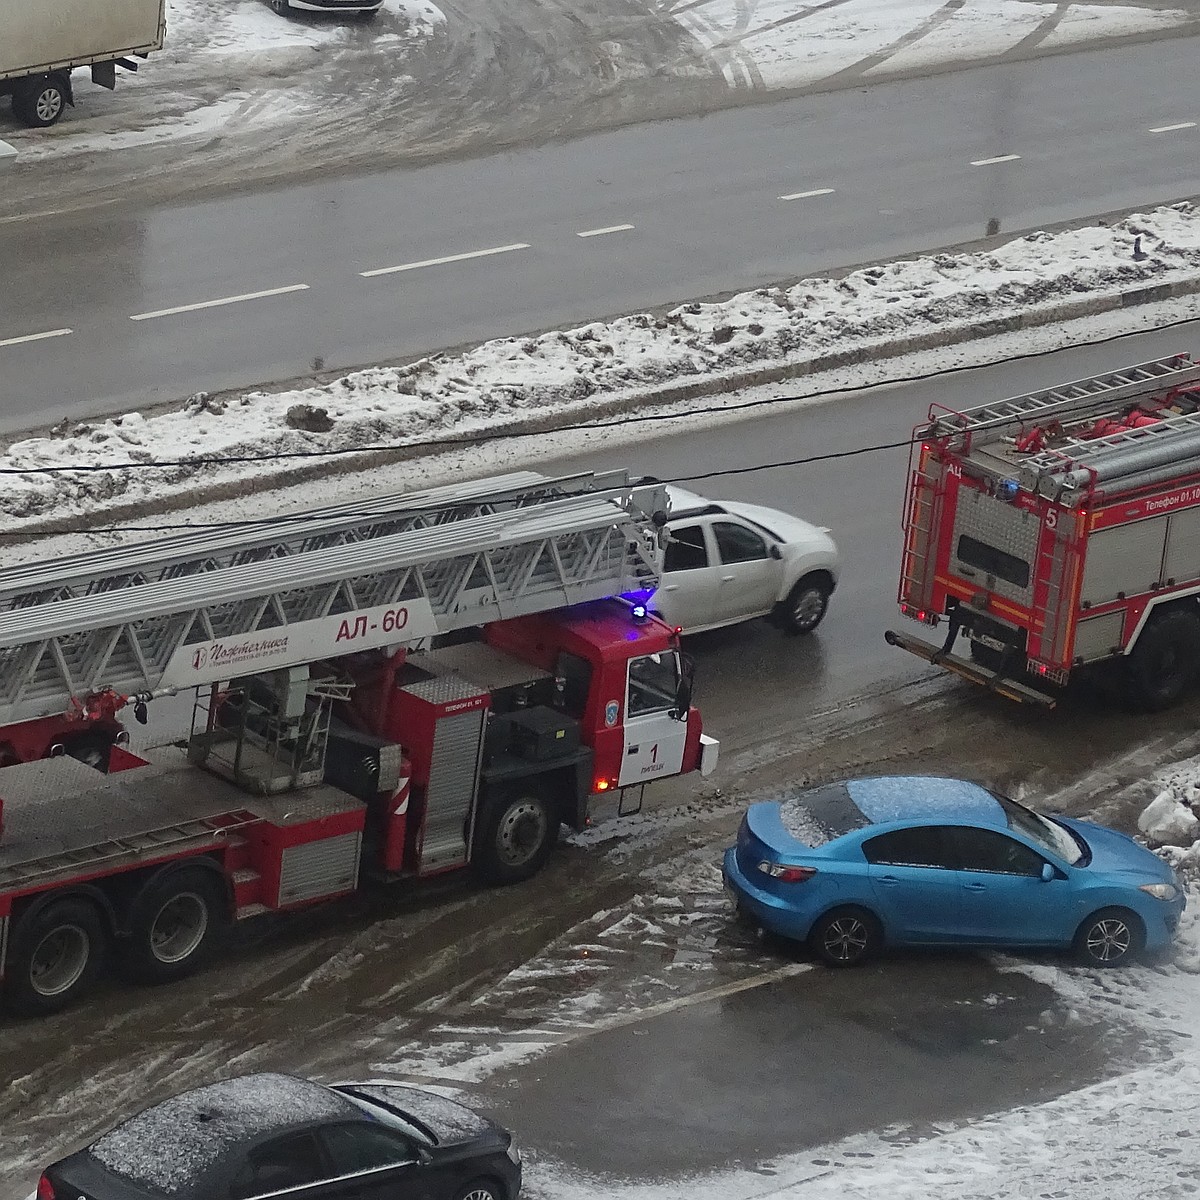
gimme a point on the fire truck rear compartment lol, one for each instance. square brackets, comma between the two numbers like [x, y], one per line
[65, 822]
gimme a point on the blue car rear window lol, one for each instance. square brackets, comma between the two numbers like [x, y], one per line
[818, 816]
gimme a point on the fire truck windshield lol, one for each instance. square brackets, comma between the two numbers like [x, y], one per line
[1051, 837]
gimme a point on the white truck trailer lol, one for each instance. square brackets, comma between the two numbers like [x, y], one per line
[42, 43]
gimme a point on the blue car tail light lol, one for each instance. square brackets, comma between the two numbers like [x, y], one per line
[786, 874]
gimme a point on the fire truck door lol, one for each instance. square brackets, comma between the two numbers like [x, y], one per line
[654, 740]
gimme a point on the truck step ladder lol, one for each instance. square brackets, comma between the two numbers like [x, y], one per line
[1069, 401]
[505, 547]
[147, 845]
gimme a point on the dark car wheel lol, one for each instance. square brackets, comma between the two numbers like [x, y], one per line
[519, 832]
[806, 603]
[1109, 938]
[56, 955]
[173, 925]
[845, 937]
[481, 1189]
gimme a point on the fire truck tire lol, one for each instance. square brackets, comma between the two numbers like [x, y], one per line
[1109, 938]
[1166, 660]
[517, 835]
[174, 923]
[806, 603]
[56, 956]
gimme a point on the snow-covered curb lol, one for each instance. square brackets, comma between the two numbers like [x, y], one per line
[564, 377]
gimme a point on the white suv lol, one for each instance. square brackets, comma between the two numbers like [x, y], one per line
[728, 562]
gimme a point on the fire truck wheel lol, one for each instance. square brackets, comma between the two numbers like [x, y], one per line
[55, 957]
[1109, 938]
[845, 937]
[518, 833]
[173, 924]
[806, 603]
[1163, 665]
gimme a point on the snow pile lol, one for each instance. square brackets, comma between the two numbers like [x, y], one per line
[568, 374]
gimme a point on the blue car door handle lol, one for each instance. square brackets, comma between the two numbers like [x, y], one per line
[976, 887]
[890, 880]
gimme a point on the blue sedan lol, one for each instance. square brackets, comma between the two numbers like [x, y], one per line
[910, 860]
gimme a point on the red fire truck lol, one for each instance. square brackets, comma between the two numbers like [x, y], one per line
[1060, 532]
[384, 690]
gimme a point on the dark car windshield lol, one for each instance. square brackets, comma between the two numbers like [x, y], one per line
[393, 1118]
[1048, 834]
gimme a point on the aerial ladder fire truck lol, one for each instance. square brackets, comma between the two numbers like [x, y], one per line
[382, 691]
[1059, 531]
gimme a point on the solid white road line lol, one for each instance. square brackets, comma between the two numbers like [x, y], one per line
[449, 258]
[186, 308]
[805, 195]
[987, 162]
[34, 337]
[606, 229]
[1172, 128]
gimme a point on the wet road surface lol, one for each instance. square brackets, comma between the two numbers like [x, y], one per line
[148, 303]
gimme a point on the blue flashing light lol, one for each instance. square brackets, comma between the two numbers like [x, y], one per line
[639, 612]
[1007, 490]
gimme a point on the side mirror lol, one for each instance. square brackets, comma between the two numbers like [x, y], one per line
[1048, 873]
[776, 553]
[683, 689]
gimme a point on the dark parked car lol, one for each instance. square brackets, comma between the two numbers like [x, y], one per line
[275, 1135]
[908, 860]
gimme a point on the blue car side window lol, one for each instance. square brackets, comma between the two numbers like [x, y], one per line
[996, 853]
[924, 846]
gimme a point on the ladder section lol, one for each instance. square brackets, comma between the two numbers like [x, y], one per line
[1117, 461]
[287, 535]
[1069, 401]
[397, 588]
[142, 846]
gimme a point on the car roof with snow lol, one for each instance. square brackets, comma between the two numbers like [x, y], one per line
[888, 798]
[823, 813]
[171, 1147]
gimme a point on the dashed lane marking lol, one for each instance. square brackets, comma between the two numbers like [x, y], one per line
[586, 233]
[34, 337]
[1000, 158]
[186, 308]
[449, 258]
[1173, 128]
[806, 195]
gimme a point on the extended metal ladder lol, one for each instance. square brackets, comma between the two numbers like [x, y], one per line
[504, 547]
[1069, 401]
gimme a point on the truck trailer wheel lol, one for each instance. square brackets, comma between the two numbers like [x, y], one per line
[39, 102]
[55, 957]
[1165, 662]
[174, 923]
[518, 833]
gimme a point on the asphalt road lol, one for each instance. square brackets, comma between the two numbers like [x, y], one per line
[128, 306]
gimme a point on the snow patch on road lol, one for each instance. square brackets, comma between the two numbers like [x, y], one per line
[567, 374]
[790, 44]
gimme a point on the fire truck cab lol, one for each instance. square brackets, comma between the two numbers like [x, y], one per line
[1059, 531]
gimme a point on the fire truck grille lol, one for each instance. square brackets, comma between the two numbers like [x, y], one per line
[994, 545]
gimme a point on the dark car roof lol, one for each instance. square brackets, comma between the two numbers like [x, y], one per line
[171, 1146]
